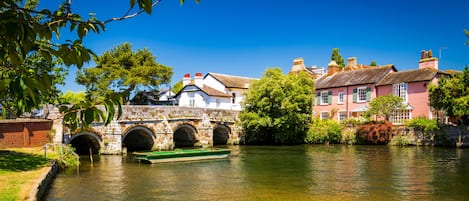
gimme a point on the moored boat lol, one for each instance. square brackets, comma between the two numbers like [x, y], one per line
[182, 155]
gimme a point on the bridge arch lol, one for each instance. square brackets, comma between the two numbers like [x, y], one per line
[84, 141]
[185, 135]
[221, 134]
[138, 138]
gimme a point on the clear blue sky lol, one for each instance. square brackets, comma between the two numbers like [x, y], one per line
[244, 37]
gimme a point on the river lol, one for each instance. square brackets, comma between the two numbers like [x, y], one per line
[303, 172]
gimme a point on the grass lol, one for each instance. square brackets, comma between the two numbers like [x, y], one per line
[20, 169]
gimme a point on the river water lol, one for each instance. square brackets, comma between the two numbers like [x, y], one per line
[303, 172]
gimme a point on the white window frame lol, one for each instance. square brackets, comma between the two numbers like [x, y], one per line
[363, 89]
[400, 116]
[401, 90]
[324, 112]
[324, 98]
[191, 102]
[338, 115]
[340, 98]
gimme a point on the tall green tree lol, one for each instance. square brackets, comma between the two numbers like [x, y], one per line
[25, 29]
[452, 95]
[71, 97]
[337, 58]
[123, 70]
[277, 108]
[177, 87]
[383, 106]
[373, 63]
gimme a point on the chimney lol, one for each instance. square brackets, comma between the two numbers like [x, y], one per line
[427, 60]
[186, 80]
[298, 65]
[198, 80]
[352, 61]
[332, 68]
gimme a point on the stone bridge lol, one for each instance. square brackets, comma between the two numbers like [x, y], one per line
[157, 128]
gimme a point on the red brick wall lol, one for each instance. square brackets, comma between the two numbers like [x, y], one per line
[24, 133]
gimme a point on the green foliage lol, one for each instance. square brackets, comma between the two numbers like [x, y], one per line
[324, 131]
[123, 70]
[277, 108]
[337, 57]
[349, 137]
[452, 95]
[373, 63]
[27, 30]
[400, 140]
[427, 125]
[71, 97]
[177, 87]
[354, 121]
[383, 106]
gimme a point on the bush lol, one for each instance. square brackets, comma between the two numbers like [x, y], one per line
[324, 131]
[375, 132]
[349, 137]
[354, 121]
[427, 125]
[400, 140]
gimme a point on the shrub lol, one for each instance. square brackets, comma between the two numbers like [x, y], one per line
[427, 125]
[354, 121]
[375, 132]
[400, 140]
[324, 131]
[349, 137]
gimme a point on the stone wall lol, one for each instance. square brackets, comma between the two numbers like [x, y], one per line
[24, 133]
[447, 135]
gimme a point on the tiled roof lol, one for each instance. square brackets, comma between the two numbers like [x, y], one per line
[424, 74]
[213, 92]
[231, 81]
[353, 77]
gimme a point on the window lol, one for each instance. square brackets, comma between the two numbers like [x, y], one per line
[191, 102]
[342, 115]
[400, 90]
[361, 94]
[340, 98]
[399, 116]
[234, 97]
[324, 115]
[218, 101]
[325, 100]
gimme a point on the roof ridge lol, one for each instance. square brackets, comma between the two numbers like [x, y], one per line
[231, 75]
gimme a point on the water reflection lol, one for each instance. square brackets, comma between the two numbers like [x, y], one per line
[306, 172]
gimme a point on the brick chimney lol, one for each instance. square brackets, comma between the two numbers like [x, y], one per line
[332, 68]
[198, 80]
[298, 65]
[186, 79]
[352, 61]
[427, 60]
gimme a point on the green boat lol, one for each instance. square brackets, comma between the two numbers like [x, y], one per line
[182, 155]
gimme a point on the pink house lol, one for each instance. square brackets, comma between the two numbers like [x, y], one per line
[412, 87]
[345, 94]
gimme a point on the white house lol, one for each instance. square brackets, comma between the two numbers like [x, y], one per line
[214, 90]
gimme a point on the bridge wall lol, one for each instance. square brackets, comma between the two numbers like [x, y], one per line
[160, 123]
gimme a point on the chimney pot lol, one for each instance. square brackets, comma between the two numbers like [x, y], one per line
[422, 53]
[198, 74]
[187, 75]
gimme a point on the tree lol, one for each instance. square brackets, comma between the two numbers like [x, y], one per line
[122, 70]
[277, 108]
[337, 58]
[71, 97]
[177, 87]
[383, 106]
[27, 30]
[452, 95]
[373, 63]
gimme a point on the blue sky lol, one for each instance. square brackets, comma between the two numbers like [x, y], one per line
[245, 37]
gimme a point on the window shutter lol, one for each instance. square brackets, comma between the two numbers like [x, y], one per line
[368, 94]
[355, 95]
[318, 98]
[329, 97]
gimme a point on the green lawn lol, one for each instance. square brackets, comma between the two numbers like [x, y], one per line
[20, 169]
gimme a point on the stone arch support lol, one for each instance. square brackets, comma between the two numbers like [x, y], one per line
[185, 135]
[85, 142]
[138, 138]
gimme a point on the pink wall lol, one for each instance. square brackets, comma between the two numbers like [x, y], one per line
[417, 97]
[348, 104]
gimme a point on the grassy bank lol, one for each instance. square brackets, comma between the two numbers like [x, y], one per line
[20, 170]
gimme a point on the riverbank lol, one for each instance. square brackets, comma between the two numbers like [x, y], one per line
[22, 172]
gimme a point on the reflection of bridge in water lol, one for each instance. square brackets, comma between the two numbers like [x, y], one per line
[158, 128]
